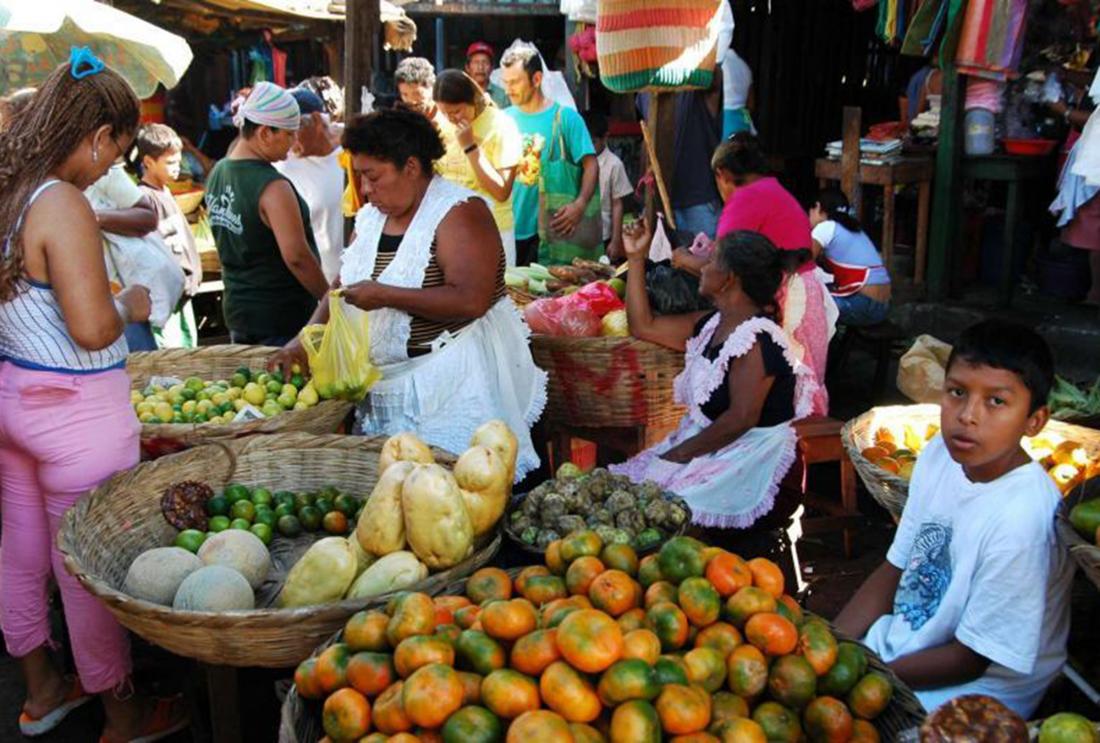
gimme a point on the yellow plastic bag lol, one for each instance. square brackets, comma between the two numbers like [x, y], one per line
[339, 352]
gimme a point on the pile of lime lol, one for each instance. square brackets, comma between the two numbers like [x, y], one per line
[267, 514]
[196, 400]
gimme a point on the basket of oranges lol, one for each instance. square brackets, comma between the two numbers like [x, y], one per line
[885, 442]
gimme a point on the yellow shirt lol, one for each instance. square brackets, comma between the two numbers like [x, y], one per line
[498, 139]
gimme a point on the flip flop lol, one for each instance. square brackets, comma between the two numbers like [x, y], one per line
[161, 724]
[32, 727]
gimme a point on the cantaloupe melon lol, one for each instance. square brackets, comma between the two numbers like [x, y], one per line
[240, 550]
[155, 575]
[214, 588]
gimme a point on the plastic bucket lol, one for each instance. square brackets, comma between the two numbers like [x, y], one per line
[979, 126]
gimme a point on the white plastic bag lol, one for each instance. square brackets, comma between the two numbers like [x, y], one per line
[554, 85]
[579, 11]
[146, 261]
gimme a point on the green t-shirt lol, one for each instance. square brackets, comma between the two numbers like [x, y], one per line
[534, 128]
[262, 298]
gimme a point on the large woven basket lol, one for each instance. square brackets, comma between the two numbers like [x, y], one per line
[300, 719]
[660, 45]
[1084, 552]
[892, 491]
[119, 520]
[608, 382]
[219, 362]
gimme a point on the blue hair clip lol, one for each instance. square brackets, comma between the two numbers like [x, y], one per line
[84, 63]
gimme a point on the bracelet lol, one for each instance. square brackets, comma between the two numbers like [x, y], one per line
[471, 148]
[123, 311]
[1066, 113]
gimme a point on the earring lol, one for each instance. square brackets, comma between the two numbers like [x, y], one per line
[95, 155]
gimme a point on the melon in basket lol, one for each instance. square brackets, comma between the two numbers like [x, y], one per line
[239, 550]
[214, 588]
[156, 574]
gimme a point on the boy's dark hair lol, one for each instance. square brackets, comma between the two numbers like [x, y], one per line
[596, 123]
[1002, 344]
[527, 55]
[156, 139]
[395, 135]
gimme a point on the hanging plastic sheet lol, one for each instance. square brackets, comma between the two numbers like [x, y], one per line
[992, 38]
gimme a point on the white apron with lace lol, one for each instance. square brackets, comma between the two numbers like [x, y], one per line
[736, 485]
[482, 372]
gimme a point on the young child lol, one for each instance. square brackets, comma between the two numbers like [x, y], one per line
[160, 151]
[974, 595]
[614, 186]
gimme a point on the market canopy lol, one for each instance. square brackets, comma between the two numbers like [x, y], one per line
[37, 35]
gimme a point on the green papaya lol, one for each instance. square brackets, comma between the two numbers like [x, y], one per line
[1085, 518]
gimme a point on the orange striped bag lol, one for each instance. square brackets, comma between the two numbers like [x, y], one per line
[660, 45]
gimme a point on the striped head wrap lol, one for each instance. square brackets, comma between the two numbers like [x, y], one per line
[269, 105]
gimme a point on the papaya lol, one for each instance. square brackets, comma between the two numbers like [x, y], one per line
[1085, 518]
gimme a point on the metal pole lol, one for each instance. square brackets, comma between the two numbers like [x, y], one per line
[440, 45]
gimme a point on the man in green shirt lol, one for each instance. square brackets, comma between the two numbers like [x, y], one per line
[272, 275]
[479, 66]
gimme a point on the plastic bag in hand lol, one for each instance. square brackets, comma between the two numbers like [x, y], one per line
[339, 352]
[597, 296]
[672, 291]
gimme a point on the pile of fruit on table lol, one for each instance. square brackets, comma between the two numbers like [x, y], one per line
[690, 644]
[195, 400]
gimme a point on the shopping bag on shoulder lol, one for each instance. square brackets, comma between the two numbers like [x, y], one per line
[147, 261]
[339, 352]
[560, 184]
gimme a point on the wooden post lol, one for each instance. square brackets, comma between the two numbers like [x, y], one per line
[661, 125]
[361, 28]
[850, 158]
[946, 207]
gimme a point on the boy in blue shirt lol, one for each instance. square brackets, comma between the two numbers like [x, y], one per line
[974, 595]
[535, 114]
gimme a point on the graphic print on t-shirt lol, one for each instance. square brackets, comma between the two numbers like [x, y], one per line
[223, 212]
[926, 577]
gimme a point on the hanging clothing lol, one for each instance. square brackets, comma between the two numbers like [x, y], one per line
[992, 38]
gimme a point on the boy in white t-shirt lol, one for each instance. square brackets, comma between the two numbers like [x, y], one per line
[614, 186]
[974, 595]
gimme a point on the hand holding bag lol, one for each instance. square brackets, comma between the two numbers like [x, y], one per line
[560, 184]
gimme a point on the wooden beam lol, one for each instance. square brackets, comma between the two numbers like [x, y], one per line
[361, 28]
[946, 204]
[850, 158]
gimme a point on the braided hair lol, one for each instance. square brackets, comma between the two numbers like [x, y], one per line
[63, 112]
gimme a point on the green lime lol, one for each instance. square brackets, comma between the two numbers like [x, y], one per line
[298, 381]
[310, 516]
[219, 523]
[329, 491]
[243, 509]
[285, 509]
[245, 372]
[284, 497]
[217, 506]
[188, 394]
[263, 531]
[289, 526]
[277, 376]
[238, 380]
[323, 504]
[190, 539]
[262, 496]
[267, 518]
[274, 387]
[345, 504]
[236, 492]
[240, 524]
[303, 499]
[194, 383]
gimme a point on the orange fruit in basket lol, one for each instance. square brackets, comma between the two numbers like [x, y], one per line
[628, 679]
[542, 589]
[817, 645]
[661, 591]
[413, 614]
[706, 667]
[740, 730]
[557, 610]
[746, 671]
[488, 583]
[389, 711]
[466, 616]
[403, 738]
[649, 571]
[533, 652]
[450, 603]
[767, 575]
[874, 453]
[449, 633]
[583, 733]
[726, 706]
[420, 650]
[683, 709]
[306, 680]
[728, 573]
[613, 591]
[721, 636]
[771, 633]
[636, 720]
[471, 688]
[666, 620]
[509, 693]
[332, 667]
[581, 573]
[828, 720]
[366, 630]
[864, 732]
[699, 601]
[580, 544]
[376, 738]
[526, 573]
[539, 726]
[371, 673]
[346, 715]
[553, 558]
[889, 464]
[694, 738]
[590, 640]
[779, 723]
[431, 694]
[788, 607]
[620, 557]
[642, 645]
[746, 602]
[870, 696]
[509, 620]
[476, 651]
[428, 736]
[569, 693]
[632, 619]
[792, 681]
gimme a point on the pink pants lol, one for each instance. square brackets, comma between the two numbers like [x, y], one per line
[60, 436]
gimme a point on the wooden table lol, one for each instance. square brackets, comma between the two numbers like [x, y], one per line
[1014, 170]
[908, 170]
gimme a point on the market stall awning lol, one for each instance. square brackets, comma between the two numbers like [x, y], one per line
[36, 36]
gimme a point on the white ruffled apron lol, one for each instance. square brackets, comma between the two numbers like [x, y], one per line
[482, 372]
[736, 485]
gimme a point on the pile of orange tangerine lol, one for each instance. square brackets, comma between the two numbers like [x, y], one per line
[690, 644]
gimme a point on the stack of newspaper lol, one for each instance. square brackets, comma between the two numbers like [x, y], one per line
[871, 151]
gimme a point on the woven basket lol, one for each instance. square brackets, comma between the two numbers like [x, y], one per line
[1086, 554]
[300, 719]
[608, 382]
[892, 491]
[218, 362]
[520, 297]
[106, 530]
[211, 262]
[658, 45]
